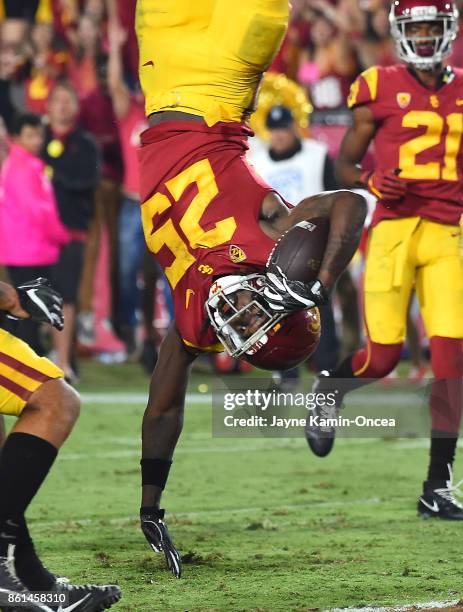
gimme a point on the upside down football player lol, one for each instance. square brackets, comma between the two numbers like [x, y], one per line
[208, 218]
[413, 113]
[32, 388]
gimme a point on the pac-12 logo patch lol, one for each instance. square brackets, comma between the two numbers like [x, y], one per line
[236, 254]
[403, 99]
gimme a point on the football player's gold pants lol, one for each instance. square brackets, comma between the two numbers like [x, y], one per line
[206, 57]
[22, 372]
[407, 253]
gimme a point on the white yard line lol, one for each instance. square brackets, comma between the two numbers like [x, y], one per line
[180, 451]
[135, 398]
[200, 513]
[417, 606]
[240, 445]
[378, 399]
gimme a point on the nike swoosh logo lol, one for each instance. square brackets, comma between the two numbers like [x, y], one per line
[74, 605]
[149, 63]
[433, 508]
[11, 523]
[5, 536]
[32, 293]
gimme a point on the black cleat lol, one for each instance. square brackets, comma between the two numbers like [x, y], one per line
[439, 501]
[85, 598]
[158, 537]
[11, 586]
[320, 435]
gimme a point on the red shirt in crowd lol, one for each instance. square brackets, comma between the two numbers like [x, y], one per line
[130, 127]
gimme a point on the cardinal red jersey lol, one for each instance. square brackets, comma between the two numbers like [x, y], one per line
[420, 132]
[200, 209]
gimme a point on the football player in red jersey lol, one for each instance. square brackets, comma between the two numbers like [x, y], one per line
[413, 113]
[211, 221]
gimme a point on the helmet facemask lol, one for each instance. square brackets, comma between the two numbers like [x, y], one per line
[225, 313]
[407, 46]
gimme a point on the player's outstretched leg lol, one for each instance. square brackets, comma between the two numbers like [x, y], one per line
[359, 369]
[318, 432]
[439, 497]
[26, 458]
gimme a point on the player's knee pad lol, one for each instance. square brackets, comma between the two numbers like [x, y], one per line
[376, 360]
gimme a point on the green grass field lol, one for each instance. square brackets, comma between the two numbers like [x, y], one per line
[263, 523]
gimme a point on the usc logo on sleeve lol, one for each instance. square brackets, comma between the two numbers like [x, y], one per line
[205, 269]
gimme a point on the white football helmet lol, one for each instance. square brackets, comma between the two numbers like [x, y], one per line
[223, 312]
[434, 49]
[279, 342]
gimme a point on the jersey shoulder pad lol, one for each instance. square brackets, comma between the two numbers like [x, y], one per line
[364, 90]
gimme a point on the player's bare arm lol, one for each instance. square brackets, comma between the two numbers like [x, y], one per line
[383, 183]
[118, 90]
[163, 418]
[354, 146]
[164, 415]
[346, 212]
[162, 425]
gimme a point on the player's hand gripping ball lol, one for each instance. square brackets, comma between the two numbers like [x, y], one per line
[292, 282]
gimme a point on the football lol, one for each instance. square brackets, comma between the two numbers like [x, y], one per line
[299, 252]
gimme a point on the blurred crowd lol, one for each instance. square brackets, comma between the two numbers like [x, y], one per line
[71, 115]
[330, 41]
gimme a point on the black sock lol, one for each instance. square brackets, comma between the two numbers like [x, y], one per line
[344, 369]
[346, 379]
[25, 461]
[442, 453]
[30, 570]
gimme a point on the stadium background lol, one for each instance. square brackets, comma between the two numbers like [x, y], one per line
[289, 533]
[45, 41]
